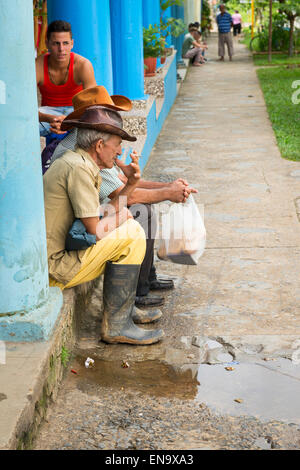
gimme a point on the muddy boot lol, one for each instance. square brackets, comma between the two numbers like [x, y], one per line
[145, 316]
[119, 288]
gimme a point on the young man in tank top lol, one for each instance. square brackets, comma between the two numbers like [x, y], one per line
[60, 75]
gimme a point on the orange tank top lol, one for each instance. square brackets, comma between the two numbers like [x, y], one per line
[59, 95]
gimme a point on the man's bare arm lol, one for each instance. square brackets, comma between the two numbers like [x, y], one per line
[196, 44]
[87, 74]
[144, 184]
[177, 191]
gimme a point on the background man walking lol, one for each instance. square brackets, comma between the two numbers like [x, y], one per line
[224, 21]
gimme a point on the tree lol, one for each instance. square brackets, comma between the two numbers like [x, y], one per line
[270, 31]
[291, 9]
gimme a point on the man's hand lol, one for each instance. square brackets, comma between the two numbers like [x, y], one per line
[131, 171]
[180, 190]
[55, 124]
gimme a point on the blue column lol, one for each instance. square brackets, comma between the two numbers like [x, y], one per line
[178, 12]
[166, 14]
[24, 286]
[151, 12]
[127, 48]
[90, 22]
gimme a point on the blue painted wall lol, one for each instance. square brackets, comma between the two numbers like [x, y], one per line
[166, 14]
[90, 22]
[178, 12]
[151, 12]
[154, 125]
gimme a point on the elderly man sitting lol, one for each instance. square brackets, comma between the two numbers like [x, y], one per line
[140, 200]
[71, 189]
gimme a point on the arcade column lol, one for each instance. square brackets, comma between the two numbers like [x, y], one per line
[28, 307]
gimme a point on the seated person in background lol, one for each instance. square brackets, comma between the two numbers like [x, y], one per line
[192, 48]
[146, 193]
[191, 27]
[60, 74]
[71, 191]
[203, 44]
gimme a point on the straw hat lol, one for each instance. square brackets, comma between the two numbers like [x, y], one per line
[97, 95]
[100, 118]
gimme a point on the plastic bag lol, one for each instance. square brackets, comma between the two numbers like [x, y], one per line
[183, 234]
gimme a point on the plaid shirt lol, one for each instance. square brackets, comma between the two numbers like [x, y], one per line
[224, 22]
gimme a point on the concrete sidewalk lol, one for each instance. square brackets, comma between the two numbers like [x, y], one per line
[240, 303]
[218, 136]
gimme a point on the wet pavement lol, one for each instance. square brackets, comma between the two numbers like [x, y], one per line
[227, 374]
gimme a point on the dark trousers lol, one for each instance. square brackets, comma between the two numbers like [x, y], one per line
[145, 215]
[236, 29]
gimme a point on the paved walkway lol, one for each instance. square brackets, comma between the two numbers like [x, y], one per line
[219, 137]
[239, 307]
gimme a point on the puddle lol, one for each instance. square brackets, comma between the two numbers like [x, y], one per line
[151, 377]
[266, 391]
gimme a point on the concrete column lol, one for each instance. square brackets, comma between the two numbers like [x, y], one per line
[151, 12]
[26, 302]
[189, 11]
[197, 11]
[127, 48]
[90, 22]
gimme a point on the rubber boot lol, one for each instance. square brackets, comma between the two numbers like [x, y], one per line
[145, 316]
[119, 288]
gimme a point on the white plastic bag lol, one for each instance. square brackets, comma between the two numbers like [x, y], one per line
[183, 234]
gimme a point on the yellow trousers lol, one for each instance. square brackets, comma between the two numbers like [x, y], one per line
[124, 245]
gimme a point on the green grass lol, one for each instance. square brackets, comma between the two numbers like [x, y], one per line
[247, 38]
[277, 59]
[276, 84]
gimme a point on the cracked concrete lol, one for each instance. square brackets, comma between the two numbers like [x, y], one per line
[238, 308]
